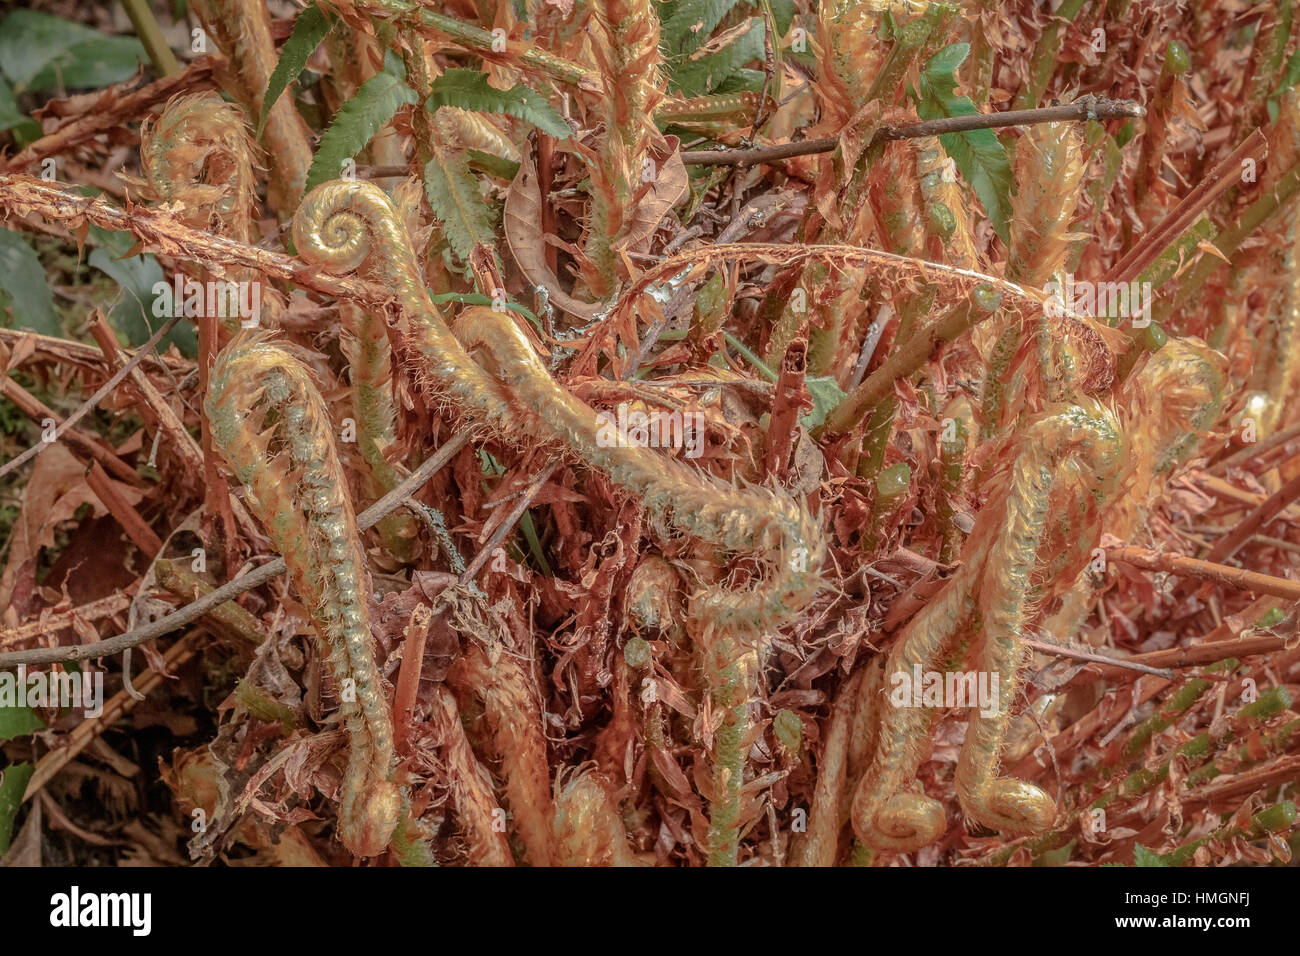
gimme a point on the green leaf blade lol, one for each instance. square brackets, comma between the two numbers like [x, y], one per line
[308, 31]
[356, 123]
[978, 154]
[22, 279]
[690, 24]
[469, 90]
[453, 194]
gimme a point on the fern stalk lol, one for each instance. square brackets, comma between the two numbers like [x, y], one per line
[297, 489]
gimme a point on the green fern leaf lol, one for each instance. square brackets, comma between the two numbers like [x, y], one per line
[455, 199]
[705, 75]
[690, 24]
[356, 123]
[469, 90]
[308, 30]
[978, 154]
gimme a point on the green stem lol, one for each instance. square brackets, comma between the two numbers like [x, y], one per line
[151, 35]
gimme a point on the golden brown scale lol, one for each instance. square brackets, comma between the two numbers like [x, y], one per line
[588, 830]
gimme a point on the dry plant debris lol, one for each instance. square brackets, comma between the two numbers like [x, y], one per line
[695, 432]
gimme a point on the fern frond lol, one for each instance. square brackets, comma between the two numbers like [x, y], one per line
[290, 466]
[356, 123]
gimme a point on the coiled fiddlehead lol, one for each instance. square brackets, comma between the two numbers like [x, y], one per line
[1074, 447]
[345, 226]
[587, 829]
[199, 155]
[271, 425]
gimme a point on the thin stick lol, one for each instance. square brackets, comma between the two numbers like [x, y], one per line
[1215, 183]
[121, 703]
[115, 645]
[1267, 510]
[506, 526]
[1047, 647]
[151, 35]
[141, 535]
[94, 399]
[1207, 571]
[1085, 108]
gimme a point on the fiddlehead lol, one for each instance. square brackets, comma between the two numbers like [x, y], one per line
[242, 29]
[588, 830]
[199, 154]
[884, 815]
[272, 426]
[1080, 449]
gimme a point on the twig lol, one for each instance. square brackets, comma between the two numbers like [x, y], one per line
[1047, 647]
[188, 586]
[507, 525]
[1206, 571]
[165, 234]
[141, 535]
[1085, 108]
[1180, 658]
[1269, 509]
[79, 353]
[151, 35]
[91, 445]
[94, 399]
[120, 703]
[272, 569]
[1215, 183]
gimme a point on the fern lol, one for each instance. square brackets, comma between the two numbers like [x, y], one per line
[308, 31]
[469, 90]
[454, 197]
[691, 22]
[705, 75]
[979, 154]
[358, 120]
